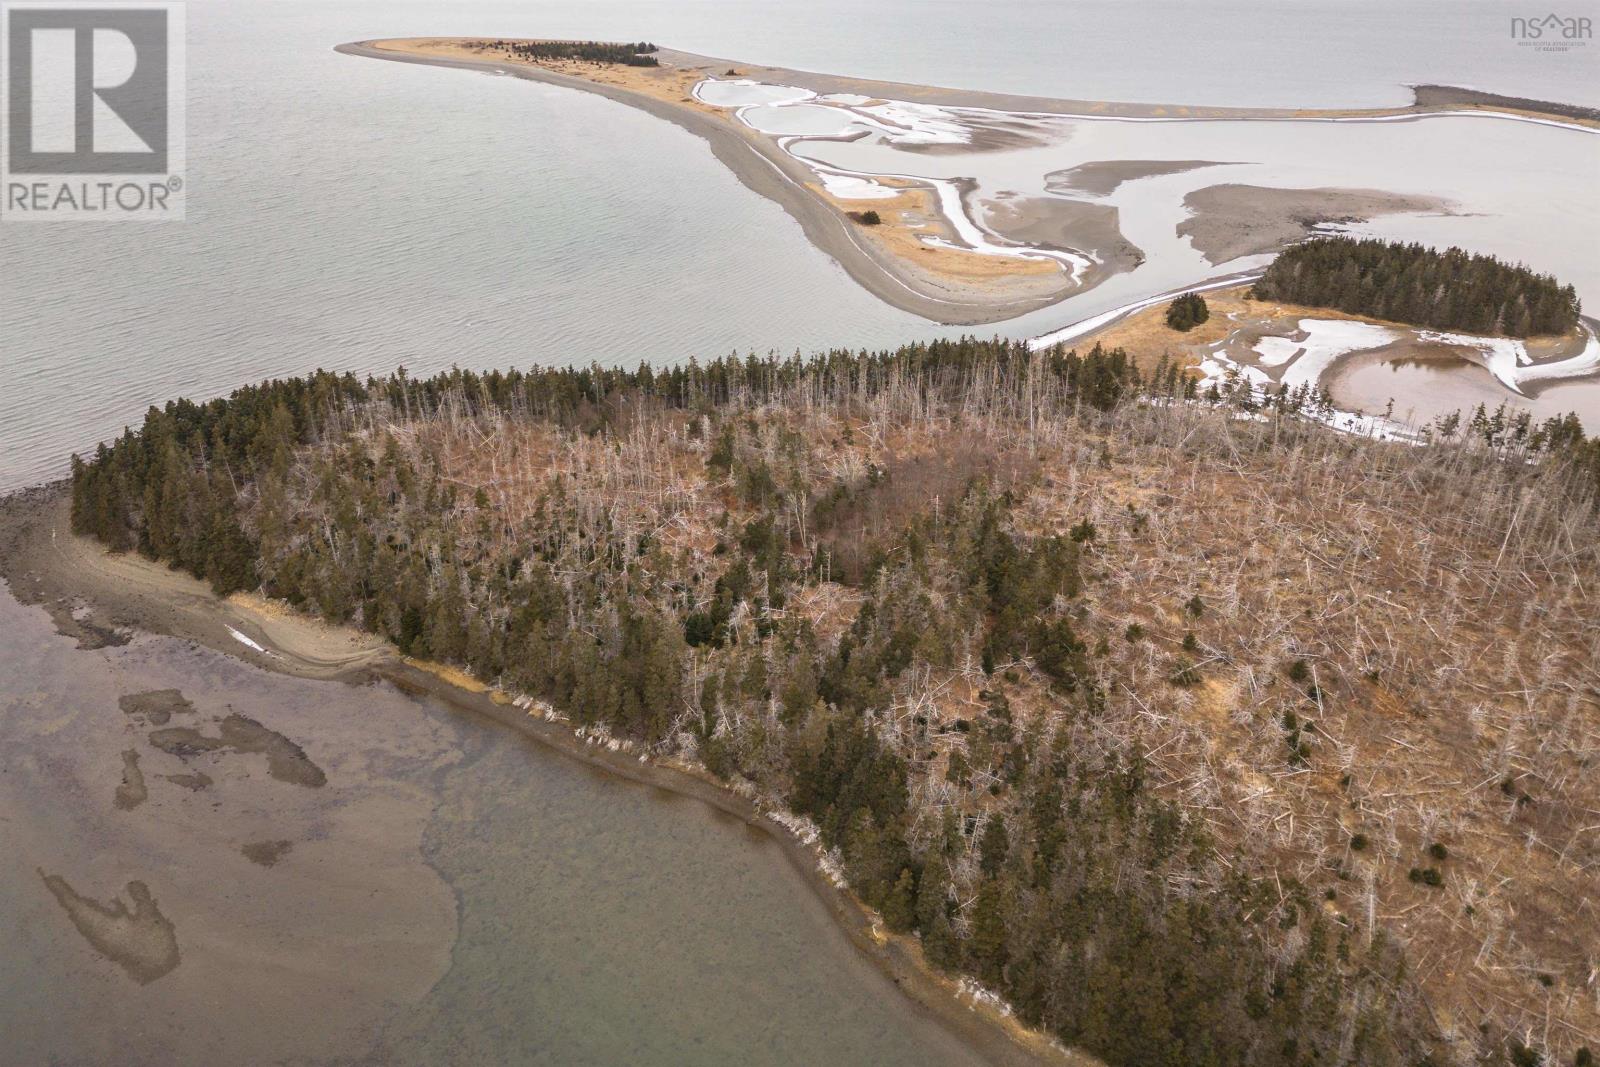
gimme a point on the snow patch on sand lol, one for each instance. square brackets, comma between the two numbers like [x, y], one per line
[1326, 341]
[242, 639]
[1276, 351]
[850, 187]
[1500, 356]
[1508, 360]
[909, 123]
[747, 93]
[1585, 362]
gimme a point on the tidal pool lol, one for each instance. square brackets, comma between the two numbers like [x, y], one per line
[1425, 389]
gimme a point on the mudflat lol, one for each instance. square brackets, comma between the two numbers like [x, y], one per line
[1101, 177]
[1229, 221]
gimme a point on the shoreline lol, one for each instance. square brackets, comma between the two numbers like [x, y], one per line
[957, 284]
[104, 594]
[1428, 99]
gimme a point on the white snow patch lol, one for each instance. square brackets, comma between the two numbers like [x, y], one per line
[1501, 355]
[747, 93]
[974, 239]
[1276, 351]
[919, 123]
[851, 187]
[1326, 341]
[1585, 362]
[1508, 360]
[1095, 322]
[981, 995]
[808, 834]
[242, 639]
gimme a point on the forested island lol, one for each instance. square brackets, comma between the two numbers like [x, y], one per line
[1420, 286]
[1087, 684]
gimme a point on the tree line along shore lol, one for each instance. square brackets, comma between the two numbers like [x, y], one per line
[1420, 286]
[977, 614]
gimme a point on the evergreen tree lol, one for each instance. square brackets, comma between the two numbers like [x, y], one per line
[940, 945]
[994, 847]
[899, 906]
[1187, 311]
[986, 949]
[1449, 290]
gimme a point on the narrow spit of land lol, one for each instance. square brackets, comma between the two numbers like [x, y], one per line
[946, 282]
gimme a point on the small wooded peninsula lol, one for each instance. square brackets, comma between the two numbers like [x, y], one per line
[1410, 283]
[1199, 735]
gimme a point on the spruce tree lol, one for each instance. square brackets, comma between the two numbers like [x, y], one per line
[900, 905]
[986, 949]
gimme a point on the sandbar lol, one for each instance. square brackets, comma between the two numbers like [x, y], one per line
[1229, 221]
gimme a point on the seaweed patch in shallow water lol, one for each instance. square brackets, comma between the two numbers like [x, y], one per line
[266, 853]
[131, 791]
[86, 627]
[140, 940]
[286, 761]
[156, 705]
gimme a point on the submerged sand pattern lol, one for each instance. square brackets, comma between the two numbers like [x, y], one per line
[266, 853]
[139, 939]
[131, 791]
[157, 706]
[286, 761]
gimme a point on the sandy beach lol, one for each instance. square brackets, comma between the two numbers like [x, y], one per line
[914, 260]
[75, 579]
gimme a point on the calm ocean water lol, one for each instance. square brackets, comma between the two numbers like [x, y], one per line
[455, 896]
[358, 215]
